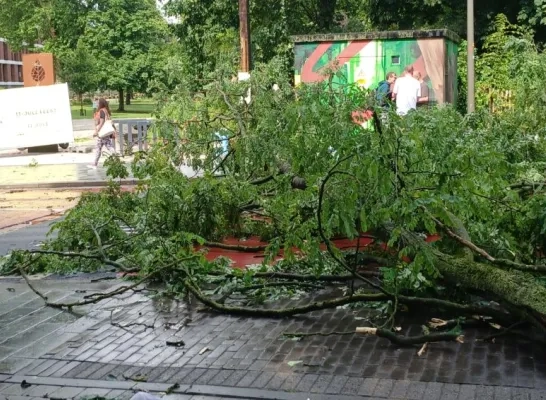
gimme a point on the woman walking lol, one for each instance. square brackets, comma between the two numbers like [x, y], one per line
[101, 116]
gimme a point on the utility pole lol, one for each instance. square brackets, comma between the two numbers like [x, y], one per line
[470, 97]
[244, 33]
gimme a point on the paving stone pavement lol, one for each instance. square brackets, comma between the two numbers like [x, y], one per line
[110, 345]
[65, 175]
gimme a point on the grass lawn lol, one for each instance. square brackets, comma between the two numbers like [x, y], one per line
[139, 108]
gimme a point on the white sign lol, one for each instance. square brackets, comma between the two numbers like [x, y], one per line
[35, 116]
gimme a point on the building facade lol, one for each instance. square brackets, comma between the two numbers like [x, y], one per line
[365, 58]
[11, 67]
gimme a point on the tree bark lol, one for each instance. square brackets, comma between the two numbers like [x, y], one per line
[515, 287]
[517, 291]
[80, 95]
[121, 105]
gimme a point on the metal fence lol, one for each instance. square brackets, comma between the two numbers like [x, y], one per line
[143, 133]
[133, 133]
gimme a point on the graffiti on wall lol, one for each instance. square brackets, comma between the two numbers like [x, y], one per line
[367, 62]
[451, 73]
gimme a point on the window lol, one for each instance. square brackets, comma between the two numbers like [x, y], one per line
[395, 60]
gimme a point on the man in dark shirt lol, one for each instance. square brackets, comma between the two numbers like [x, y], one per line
[424, 99]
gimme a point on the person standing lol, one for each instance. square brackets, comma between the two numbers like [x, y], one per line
[384, 92]
[95, 105]
[406, 91]
[423, 99]
[101, 116]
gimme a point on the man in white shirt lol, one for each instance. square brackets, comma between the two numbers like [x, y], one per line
[406, 91]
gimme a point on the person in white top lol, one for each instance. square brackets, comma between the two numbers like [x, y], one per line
[406, 91]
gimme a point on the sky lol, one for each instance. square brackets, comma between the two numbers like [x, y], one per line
[160, 4]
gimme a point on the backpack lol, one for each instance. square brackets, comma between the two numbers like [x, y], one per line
[382, 93]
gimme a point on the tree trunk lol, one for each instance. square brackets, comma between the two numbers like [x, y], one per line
[80, 95]
[516, 287]
[128, 96]
[121, 105]
[517, 291]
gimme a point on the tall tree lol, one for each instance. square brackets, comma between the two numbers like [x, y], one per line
[417, 14]
[78, 68]
[124, 36]
[208, 29]
[49, 22]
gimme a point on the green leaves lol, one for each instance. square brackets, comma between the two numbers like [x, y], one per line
[111, 42]
[124, 37]
[78, 68]
[431, 164]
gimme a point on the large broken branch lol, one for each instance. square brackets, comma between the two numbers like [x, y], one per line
[514, 287]
[340, 301]
[497, 261]
[97, 298]
[99, 257]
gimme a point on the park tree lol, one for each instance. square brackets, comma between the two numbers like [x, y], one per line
[208, 30]
[78, 68]
[124, 37]
[50, 23]
[418, 14]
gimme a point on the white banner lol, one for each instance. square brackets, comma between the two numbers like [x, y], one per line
[35, 116]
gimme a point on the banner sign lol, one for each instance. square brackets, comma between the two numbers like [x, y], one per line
[35, 116]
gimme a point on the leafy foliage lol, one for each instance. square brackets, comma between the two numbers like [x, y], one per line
[112, 42]
[355, 180]
[78, 68]
[291, 167]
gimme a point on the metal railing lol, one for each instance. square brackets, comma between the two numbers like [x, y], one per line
[134, 132]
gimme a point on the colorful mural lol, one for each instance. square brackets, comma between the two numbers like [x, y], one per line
[368, 61]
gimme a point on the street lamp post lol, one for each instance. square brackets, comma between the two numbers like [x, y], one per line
[470, 97]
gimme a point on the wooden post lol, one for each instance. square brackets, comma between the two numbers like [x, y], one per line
[244, 32]
[470, 97]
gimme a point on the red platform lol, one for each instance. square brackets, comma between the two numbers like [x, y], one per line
[242, 259]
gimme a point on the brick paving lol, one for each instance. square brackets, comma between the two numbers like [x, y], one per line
[21, 207]
[233, 356]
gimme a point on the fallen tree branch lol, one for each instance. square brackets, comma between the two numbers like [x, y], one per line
[522, 267]
[497, 261]
[300, 277]
[340, 301]
[266, 285]
[516, 288]
[261, 181]
[86, 256]
[502, 332]
[461, 240]
[245, 249]
[101, 296]
[439, 324]
[98, 297]
[27, 280]
[411, 340]
[326, 240]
